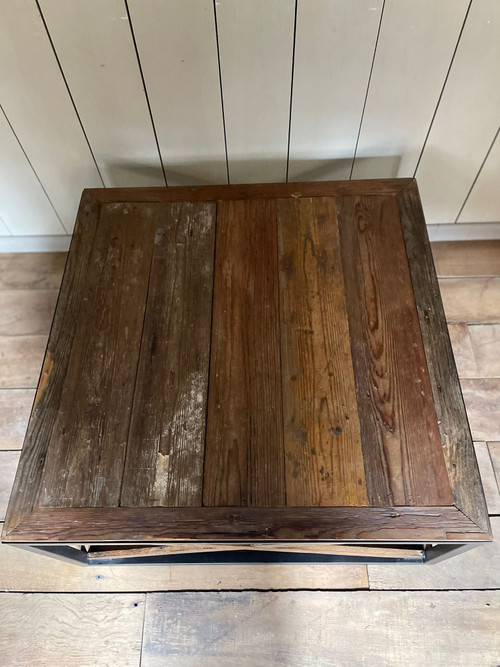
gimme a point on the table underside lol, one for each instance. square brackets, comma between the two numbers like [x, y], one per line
[249, 364]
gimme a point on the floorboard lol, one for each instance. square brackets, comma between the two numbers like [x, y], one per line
[466, 258]
[482, 400]
[20, 361]
[15, 407]
[471, 300]
[26, 311]
[31, 270]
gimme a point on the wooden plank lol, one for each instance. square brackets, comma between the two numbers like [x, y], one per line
[483, 203]
[463, 351]
[256, 52]
[485, 339]
[398, 421]
[25, 210]
[85, 458]
[55, 365]
[488, 478]
[96, 51]
[26, 311]
[8, 465]
[466, 258]
[308, 628]
[177, 46]
[21, 358]
[31, 270]
[37, 103]
[324, 459]
[448, 167]
[22, 570]
[476, 568]
[244, 456]
[482, 398]
[15, 406]
[167, 524]
[414, 50]
[472, 300]
[72, 629]
[324, 124]
[166, 442]
[494, 449]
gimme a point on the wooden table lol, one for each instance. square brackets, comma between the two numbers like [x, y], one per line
[254, 372]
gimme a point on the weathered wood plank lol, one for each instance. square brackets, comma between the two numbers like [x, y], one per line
[462, 350]
[71, 629]
[15, 406]
[494, 449]
[304, 628]
[244, 460]
[398, 421]
[26, 312]
[485, 339]
[8, 465]
[482, 399]
[21, 358]
[86, 454]
[488, 478]
[456, 438]
[165, 449]
[471, 300]
[324, 459]
[466, 258]
[32, 270]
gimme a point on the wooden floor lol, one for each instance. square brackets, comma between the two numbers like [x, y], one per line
[56, 613]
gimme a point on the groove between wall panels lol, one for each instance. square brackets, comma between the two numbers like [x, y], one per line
[214, 5]
[291, 90]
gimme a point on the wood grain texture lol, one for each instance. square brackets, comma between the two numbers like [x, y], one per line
[26, 311]
[466, 258]
[15, 407]
[166, 442]
[456, 438]
[21, 358]
[471, 300]
[8, 465]
[305, 628]
[398, 421]
[31, 270]
[485, 340]
[463, 351]
[161, 524]
[324, 459]
[244, 459]
[77, 630]
[482, 398]
[488, 477]
[86, 454]
[55, 365]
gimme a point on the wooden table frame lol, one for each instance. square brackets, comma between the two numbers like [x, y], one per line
[438, 531]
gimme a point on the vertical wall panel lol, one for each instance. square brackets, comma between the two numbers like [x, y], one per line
[483, 204]
[415, 48]
[36, 102]
[256, 45]
[467, 117]
[96, 51]
[333, 54]
[24, 207]
[178, 52]
[3, 229]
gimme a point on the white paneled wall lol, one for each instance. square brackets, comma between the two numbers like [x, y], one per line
[143, 92]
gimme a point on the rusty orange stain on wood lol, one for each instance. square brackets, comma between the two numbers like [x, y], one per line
[48, 364]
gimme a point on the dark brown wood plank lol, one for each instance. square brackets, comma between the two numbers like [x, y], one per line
[84, 462]
[244, 461]
[402, 448]
[251, 191]
[44, 412]
[323, 455]
[167, 524]
[456, 439]
[165, 450]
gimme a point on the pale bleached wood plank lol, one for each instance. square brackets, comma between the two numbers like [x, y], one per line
[15, 406]
[482, 400]
[8, 465]
[325, 123]
[26, 312]
[305, 628]
[31, 270]
[488, 478]
[25, 210]
[22, 570]
[36, 101]
[20, 360]
[466, 258]
[71, 629]
[494, 449]
[471, 300]
[95, 47]
[415, 46]
[483, 204]
[476, 568]
[256, 43]
[178, 51]
[462, 350]
[467, 117]
[485, 339]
